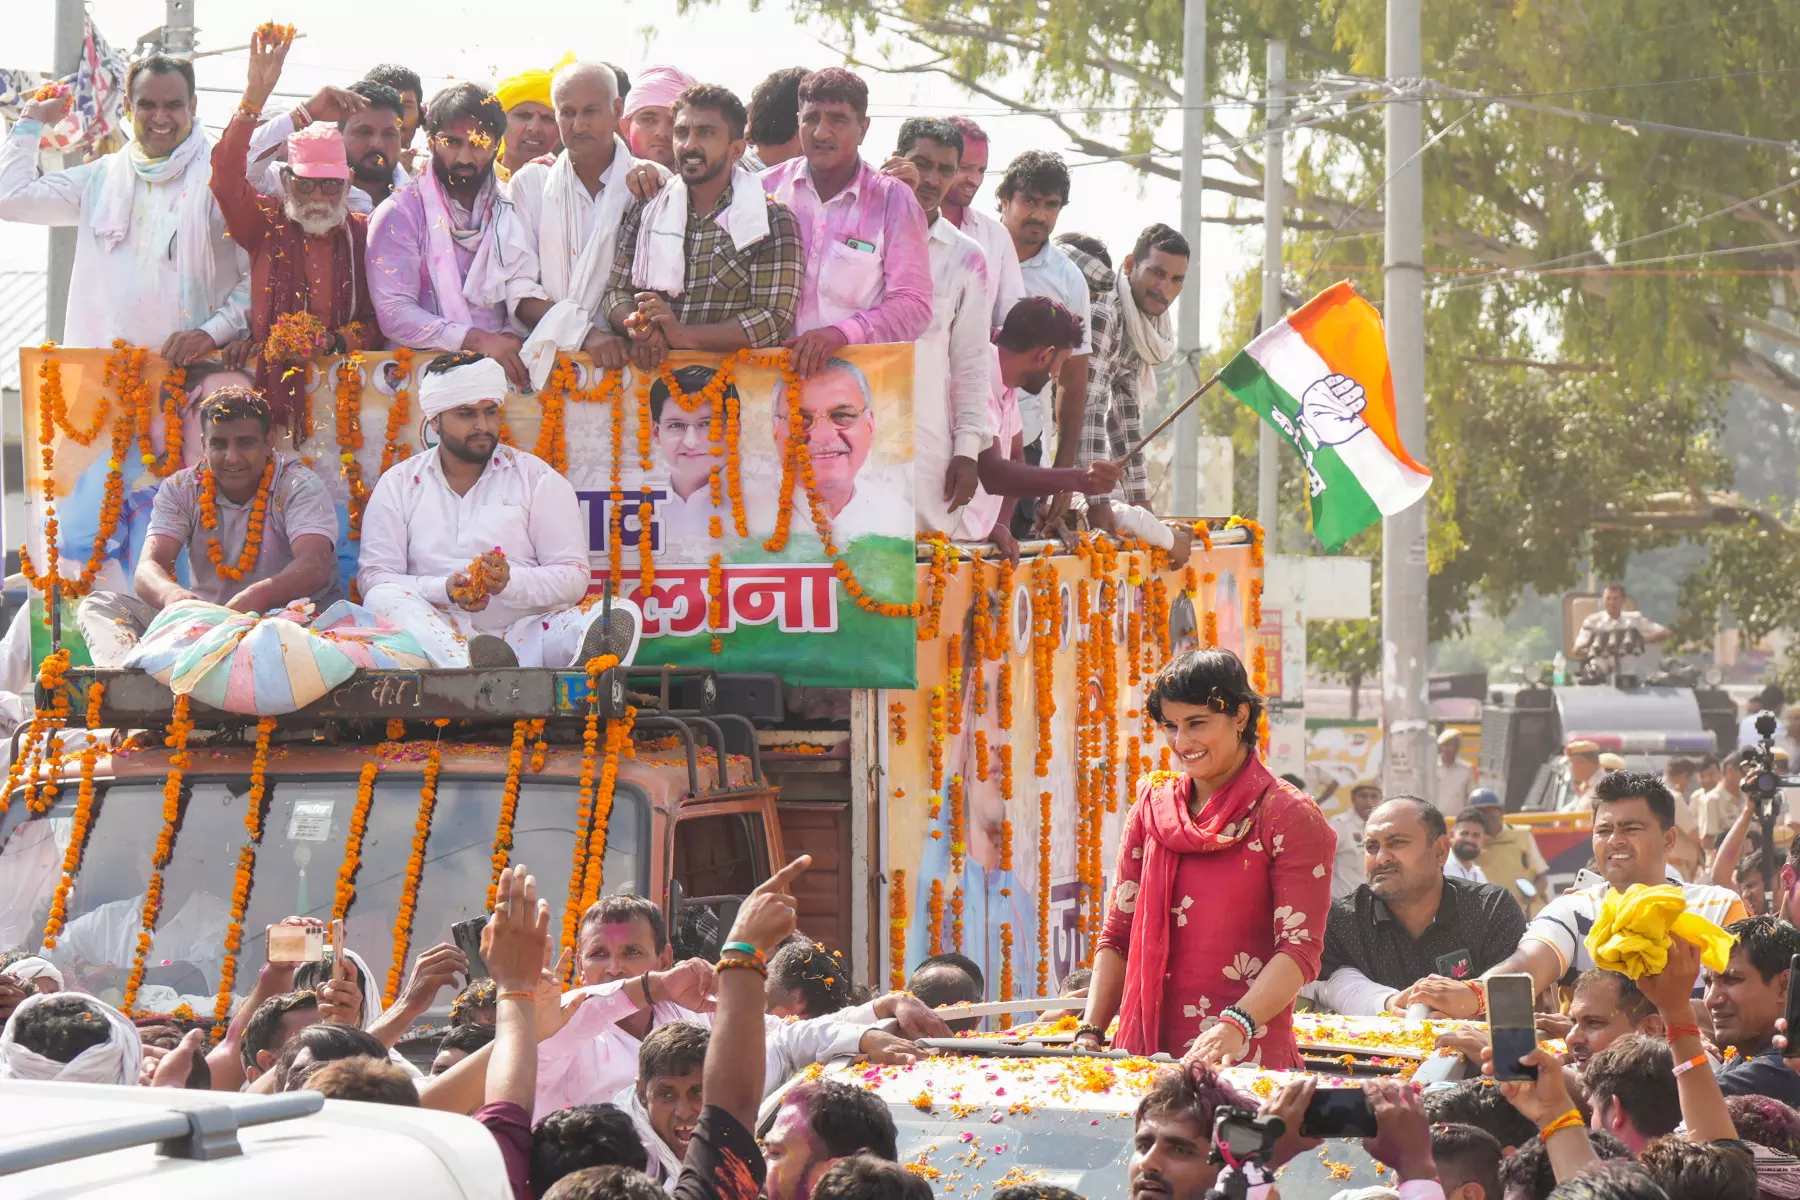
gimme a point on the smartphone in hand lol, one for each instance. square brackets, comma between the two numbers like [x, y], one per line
[295, 943]
[1338, 1112]
[1512, 1024]
[467, 936]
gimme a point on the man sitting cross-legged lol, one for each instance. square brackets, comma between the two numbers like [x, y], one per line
[211, 511]
[431, 516]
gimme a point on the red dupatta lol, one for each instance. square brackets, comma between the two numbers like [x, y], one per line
[1170, 832]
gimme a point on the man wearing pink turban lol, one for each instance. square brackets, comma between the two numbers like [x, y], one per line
[650, 113]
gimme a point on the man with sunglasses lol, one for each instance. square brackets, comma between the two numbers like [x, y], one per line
[306, 249]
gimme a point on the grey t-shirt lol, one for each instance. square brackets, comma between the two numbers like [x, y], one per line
[298, 505]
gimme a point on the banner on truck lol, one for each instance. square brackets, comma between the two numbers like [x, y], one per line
[784, 610]
[1083, 633]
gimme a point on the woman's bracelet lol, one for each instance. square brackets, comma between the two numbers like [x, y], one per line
[1568, 1120]
[1242, 1020]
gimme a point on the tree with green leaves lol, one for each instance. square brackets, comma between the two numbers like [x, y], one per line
[1611, 225]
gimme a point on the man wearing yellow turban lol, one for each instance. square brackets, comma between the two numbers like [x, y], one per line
[530, 119]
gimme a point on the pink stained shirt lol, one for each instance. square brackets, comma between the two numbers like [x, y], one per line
[881, 294]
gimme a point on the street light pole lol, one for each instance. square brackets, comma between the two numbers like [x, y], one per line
[1268, 460]
[1184, 496]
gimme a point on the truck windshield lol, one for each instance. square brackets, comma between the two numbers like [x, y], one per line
[297, 872]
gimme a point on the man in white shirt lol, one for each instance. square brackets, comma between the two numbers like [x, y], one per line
[153, 263]
[1006, 285]
[1347, 866]
[1634, 830]
[1770, 700]
[1614, 618]
[1456, 779]
[630, 984]
[432, 516]
[952, 369]
[1032, 194]
[571, 211]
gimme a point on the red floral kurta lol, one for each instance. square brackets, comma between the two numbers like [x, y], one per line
[1232, 910]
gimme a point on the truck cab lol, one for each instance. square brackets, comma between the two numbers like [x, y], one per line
[692, 822]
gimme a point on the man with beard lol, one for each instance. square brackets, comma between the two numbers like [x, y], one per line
[1467, 840]
[868, 269]
[407, 85]
[446, 263]
[649, 113]
[470, 497]
[710, 262]
[952, 384]
[306, 250]
[1031, 347]
[154, 265]
[296, 558]
[1131, 334]
[1005, 282]
[530, 120]
[1410, 920]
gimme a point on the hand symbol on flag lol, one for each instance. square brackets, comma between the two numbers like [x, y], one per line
[1330, 411]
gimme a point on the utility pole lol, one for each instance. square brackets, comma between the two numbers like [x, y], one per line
[1184, 497]
[1409, 760]
[1268, 461]
[178, 28]
[70, 32]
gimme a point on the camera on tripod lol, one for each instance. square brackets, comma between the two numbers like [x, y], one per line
[1762, 788]
[1244, 1144]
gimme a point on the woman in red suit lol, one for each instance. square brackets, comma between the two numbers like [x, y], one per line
[1217, 914]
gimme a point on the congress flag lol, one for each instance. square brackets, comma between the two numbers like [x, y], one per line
[1321, 379]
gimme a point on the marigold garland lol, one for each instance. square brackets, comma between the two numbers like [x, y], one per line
[391, 447]
[618, 742]
[552, 440]
[80, 825]
[294, 337]
[31, 744]
[937, 580]
[953, 682]
[934, 907]
[1043, 894]
[897, 723]
[134, 396]
[415, 863]
[897, 931]
[480, 583]
[359, 825]
[509, 807]
[614, 393]
[253, 534]
[396, 729]
[981, 756]
[721, 398]
[956, 919]
[245, 875]
[1006, 963]
[959, 843]
[348, 413]
[176, 740]
[1256, 538]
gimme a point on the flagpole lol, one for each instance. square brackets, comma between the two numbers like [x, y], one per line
[1167, 421]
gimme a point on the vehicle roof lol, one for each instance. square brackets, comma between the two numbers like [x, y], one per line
[348, 1150]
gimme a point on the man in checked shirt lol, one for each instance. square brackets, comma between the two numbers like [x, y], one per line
[733, 278]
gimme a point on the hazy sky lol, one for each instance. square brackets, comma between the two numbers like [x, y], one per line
[718, 43]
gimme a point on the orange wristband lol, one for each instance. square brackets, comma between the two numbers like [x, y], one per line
[1568, 1120]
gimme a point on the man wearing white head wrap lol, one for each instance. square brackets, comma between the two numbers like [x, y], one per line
[71, 1039]
[469, 497]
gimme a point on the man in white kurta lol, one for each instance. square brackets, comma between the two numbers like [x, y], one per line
[153, 264]
[432, 515]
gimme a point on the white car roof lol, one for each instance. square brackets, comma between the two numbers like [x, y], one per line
[347, 1150]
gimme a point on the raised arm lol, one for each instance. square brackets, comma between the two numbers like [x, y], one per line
[735, 1054]
[515, 945]
[1671, 990]
[53, 199]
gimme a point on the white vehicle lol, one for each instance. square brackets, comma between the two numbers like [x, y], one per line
[67, 1139]
[971, 1123]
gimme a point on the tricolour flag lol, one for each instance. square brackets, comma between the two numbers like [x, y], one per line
[1321, 379]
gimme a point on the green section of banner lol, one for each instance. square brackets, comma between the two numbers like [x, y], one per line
[1341, 509]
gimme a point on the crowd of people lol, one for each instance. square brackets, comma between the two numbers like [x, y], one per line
[590, 209]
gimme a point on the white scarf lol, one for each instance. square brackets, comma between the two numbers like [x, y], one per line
[189, 168]
[661, 261]
[1151, 338]
[32, 967]
[574, 271]
[468, 384]
[114, 1061]
[664, 1167]
[499, 248]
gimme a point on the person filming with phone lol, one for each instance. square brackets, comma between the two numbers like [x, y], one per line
[1634, 830]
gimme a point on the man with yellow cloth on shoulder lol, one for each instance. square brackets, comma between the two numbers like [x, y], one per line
[1634, 830]
[530, 119]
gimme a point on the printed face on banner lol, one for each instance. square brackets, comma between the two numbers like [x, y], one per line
[734, 555]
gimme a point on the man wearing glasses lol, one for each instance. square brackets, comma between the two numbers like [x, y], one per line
[837, 430]
[306, 249]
